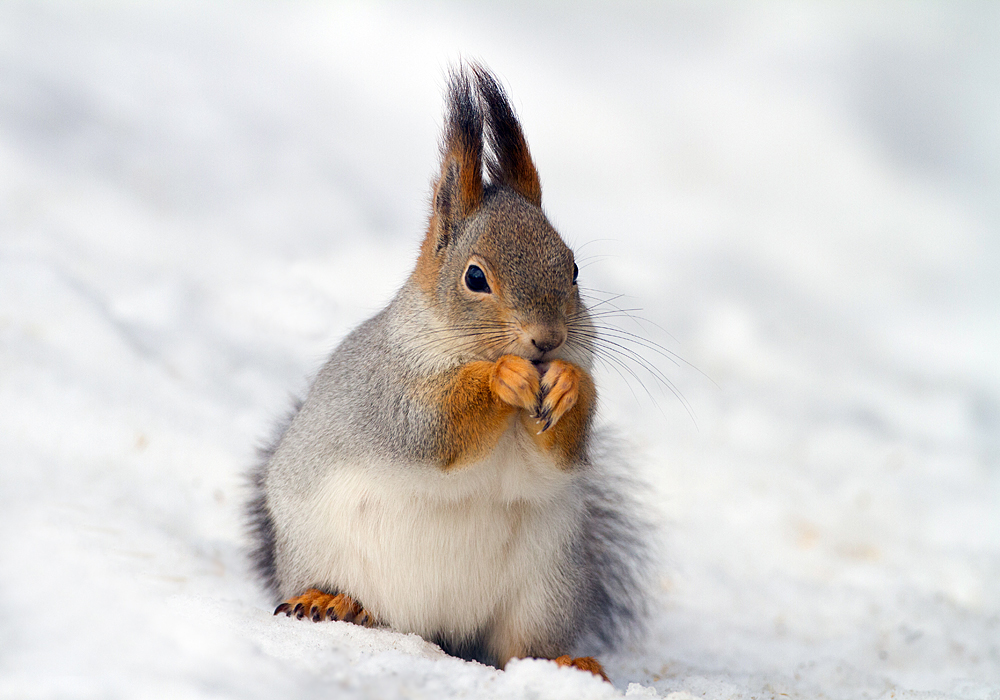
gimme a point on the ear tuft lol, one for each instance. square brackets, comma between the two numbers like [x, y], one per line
[510, 162]
[459, 189]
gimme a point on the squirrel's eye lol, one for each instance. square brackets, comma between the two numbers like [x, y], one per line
[475, 280]
[576, 272]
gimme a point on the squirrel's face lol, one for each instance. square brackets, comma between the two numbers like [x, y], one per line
[499, 279]
[511, 280]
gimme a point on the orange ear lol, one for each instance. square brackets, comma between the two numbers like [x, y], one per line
[511, 162]
[459, 189]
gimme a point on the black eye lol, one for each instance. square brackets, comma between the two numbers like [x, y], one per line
[576, 272]
[475, 280]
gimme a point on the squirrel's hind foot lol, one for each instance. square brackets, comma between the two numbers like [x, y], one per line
[319, 606]
[584, 663]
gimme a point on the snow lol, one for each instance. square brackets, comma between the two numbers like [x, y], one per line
[198, 200]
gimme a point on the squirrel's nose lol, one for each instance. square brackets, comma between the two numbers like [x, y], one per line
[548, 342]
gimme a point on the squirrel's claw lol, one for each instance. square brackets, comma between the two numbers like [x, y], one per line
[543, 415]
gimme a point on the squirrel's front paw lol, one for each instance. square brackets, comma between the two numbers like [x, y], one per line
[560, 388]
[318, 606]
[515, 381]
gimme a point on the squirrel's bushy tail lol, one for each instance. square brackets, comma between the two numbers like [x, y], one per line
[259, 523]
[616, 550]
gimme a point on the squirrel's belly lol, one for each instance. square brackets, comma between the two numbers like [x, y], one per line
[447, 560]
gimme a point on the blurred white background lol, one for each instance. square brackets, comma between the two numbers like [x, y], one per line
[198, 200]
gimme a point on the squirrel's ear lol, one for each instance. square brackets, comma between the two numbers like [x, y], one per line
[511, 162]
[459, 190]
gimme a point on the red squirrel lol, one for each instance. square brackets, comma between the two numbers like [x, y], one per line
[443, 475]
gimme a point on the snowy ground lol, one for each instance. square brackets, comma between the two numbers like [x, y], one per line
[198, 200]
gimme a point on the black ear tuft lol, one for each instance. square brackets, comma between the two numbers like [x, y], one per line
[459, 189]
[511, 162]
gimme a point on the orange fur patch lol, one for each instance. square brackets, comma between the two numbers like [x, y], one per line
[428, 263]
[473, 415]
[475, 403]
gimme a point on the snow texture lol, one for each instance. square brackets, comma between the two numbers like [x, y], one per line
[197, 200]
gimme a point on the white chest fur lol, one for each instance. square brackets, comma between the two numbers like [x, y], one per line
[428, 551]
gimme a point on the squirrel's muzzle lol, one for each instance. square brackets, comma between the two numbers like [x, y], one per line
[544, 338]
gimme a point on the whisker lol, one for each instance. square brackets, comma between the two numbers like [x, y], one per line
[608, 357]
[629, 353]
[597, 240]
[613, 350]
[638, 320]
[621, 334]
[600, 358]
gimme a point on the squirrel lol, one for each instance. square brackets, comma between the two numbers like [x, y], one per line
[443, 475]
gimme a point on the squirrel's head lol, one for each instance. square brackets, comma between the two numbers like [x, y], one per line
[497, 275]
